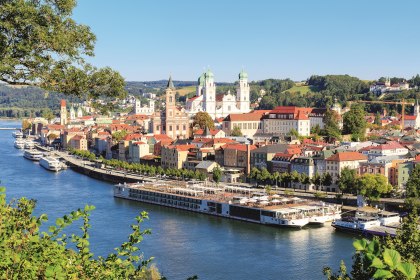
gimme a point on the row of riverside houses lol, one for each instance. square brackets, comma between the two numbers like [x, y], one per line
[167, 138]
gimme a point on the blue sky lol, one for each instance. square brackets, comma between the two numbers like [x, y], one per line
[148, 40]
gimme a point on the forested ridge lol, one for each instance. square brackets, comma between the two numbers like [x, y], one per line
[316, 91]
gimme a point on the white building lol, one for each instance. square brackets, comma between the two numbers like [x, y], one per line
[220, 105]
[283, 119]
[391, 148]
[144, 110]
[413, 121]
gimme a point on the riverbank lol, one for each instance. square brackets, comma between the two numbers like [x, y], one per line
[98, 172]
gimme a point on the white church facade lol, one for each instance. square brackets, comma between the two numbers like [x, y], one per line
[144, 110]
[413, 121]
[219, 105]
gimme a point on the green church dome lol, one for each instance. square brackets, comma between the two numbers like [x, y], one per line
[201, 80]
[243, 75]
[209, 74]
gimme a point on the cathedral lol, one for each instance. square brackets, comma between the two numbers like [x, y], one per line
[219, 105]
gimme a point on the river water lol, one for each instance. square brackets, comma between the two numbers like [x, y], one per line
[183, 243]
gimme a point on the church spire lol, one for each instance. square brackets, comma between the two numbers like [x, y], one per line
[170, 83]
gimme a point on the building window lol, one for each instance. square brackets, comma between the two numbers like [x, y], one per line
[170, 128]
[184, 127]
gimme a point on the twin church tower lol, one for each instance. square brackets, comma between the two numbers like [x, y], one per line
[219, 105]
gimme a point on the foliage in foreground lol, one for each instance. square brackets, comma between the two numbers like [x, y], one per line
[391, 258]
[28, 253]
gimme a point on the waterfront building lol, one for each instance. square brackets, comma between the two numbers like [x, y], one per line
[123, 145]
[174, 120]
[262, 155]
[338, 161]
[78, 142]
[173, 156]
[68, 134]
[235, 155]
[281, 163]
[219, 105]
[137, 150]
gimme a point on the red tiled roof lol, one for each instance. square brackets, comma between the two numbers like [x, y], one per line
[160, 137]
[213, 132]
[239, 147]
[137, 117]
[193, 98]
[133, 136]
[55, 126]
[411, 118]
[182, 148]
[347, 156]
[139, 143]
[252, 116]
[77, 137]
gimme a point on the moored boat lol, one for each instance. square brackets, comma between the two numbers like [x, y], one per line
[371, 222]
[29, 144]
[50, 163]
[226, 202]
[17, 134]
[33, 154]
[19, 144]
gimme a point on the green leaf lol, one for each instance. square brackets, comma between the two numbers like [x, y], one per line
[377, 263]
[408, 269]
[382, 274]
[374, 247]
[360, 244]
[392, 258]
[59, 222]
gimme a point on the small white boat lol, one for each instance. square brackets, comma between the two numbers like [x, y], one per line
[19, 144]
[29, 145]
[325, 213]
[33, 154]
[51, 163]
[17, 134]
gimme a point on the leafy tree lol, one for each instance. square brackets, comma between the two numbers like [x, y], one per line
[236, 131]
[294, 132]
[26, 125]
[276, 177]
[331, 127]
[48, 115]
[42, 45]
[413, 187]
[119, 135]
[28, 253]
[51, 137]
[354, 121]
[372, 185]
[327, 179]
[316, 129]
[377, 120]
[217, 175]
[347, 181]
[264, 175]
[203, 120]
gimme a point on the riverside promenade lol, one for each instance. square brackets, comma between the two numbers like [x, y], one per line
[98, 171]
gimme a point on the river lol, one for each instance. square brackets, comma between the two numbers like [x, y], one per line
[183, 243]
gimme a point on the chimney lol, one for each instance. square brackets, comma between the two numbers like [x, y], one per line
[385, 112]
